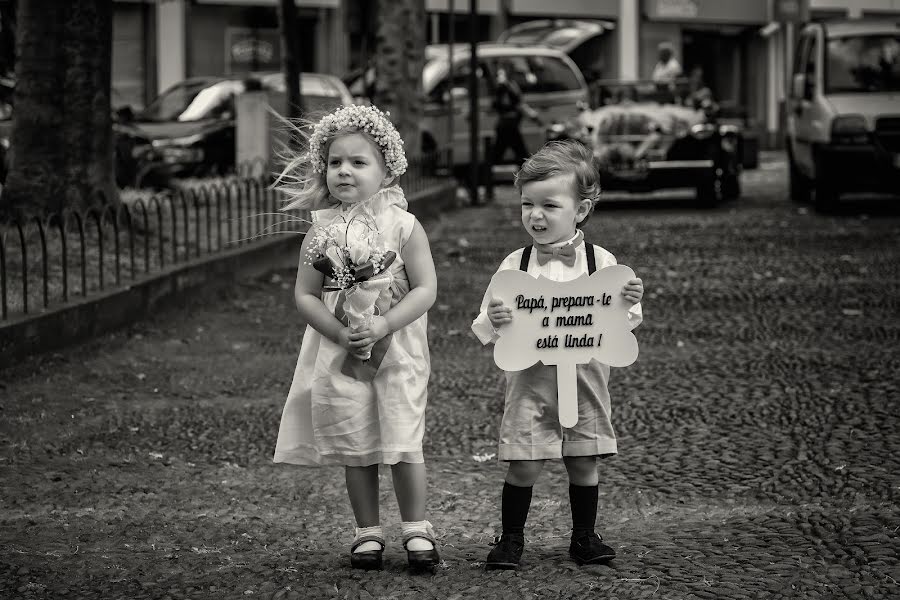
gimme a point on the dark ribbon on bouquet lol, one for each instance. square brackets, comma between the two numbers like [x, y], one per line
[365, 370]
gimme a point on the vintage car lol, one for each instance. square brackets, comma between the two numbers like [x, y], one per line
[648, 137]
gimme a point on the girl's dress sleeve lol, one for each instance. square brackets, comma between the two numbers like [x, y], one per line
[481, 326]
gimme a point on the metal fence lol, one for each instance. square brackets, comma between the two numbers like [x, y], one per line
[52, 260]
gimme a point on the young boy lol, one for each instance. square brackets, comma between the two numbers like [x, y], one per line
[558, 186]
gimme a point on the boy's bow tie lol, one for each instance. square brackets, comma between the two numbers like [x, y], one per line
[565, 253]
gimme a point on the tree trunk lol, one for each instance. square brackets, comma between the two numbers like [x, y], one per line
[399, 58]
[291, 60]
[61, 143]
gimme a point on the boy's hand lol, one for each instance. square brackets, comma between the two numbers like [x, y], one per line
[498, 313]
[634, 290]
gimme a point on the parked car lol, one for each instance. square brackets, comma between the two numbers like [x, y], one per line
[189, 130]
[549, 80]
[843, 122]
[646, 141]
[587, 42]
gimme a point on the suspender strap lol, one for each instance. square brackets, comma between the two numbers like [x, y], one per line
[591, 259]
[526, 256]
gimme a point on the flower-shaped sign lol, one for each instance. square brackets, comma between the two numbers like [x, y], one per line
[565, 324]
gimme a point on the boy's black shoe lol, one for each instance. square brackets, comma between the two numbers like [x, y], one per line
[506, 553]
[589, 549]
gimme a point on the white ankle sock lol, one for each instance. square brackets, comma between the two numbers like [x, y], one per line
[368, 546]
[417, 543]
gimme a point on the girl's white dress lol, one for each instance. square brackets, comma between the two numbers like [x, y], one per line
[342, 411]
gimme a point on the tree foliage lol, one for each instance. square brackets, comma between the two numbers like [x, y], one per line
[399, 58]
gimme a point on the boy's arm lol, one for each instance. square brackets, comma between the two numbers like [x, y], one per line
[635, 313]
[481, 325]
[635, 316]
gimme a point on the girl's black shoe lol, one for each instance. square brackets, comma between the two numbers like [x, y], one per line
[506, 553]
[589, 549]
[422, 560]
[369, 560]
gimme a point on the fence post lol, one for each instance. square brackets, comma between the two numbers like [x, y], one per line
[488, 169]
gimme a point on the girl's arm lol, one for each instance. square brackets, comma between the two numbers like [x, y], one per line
[308, 298]
[416, 255]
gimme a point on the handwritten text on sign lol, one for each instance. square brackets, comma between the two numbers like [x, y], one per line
[565, 324]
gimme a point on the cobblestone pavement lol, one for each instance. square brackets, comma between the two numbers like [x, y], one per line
[759, 453]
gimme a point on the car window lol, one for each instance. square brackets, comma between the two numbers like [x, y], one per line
[461, 72]
[550, 74]
[812, 58]
[518, 69]
[212, 102]
[192, 101]
[868, 63]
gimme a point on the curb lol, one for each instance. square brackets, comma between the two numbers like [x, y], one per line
[80, 320]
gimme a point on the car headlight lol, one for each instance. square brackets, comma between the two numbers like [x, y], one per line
[703, 130]
[849, 129]
[5, 143]
[176, 155]
[729, 143]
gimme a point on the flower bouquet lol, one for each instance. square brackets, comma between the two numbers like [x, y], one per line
[350, 254]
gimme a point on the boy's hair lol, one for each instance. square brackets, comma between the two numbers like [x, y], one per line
[567, 157]
[303, 179]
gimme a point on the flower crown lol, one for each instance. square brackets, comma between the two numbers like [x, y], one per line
[363, 118]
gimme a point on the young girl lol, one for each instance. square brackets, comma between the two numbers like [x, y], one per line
[558, 185]
[358, 394]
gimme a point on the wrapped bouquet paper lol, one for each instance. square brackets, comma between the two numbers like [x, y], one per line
[351, 255]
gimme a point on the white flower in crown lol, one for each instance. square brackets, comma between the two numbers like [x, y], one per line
[364, 118]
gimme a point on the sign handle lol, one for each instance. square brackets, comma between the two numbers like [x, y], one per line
[567, 392]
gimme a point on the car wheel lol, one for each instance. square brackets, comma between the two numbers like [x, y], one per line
[709, 193]
[731, 186]
[825, 197]
[799, 184]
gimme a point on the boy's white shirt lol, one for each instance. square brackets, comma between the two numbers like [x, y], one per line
[555, 270]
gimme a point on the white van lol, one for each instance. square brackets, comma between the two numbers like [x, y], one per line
[843, 121]
[549, 80]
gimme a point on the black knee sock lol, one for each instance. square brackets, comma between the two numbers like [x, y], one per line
[584, 508]
[515, 504]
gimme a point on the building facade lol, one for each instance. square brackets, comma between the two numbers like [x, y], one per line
[157, 43]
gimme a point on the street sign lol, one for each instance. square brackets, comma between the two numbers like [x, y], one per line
[790, 11]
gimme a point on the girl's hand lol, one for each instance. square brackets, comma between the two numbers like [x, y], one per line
[634, 290]
[374, 332]
[350, 340]
[498, 313]
[364, 352]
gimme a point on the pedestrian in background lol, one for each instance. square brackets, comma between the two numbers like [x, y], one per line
[358, 395]
[559, 186]
[510, 107]
[667, 68]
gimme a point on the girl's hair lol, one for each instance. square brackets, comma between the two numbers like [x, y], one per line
[303, 179]
[568, 157]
